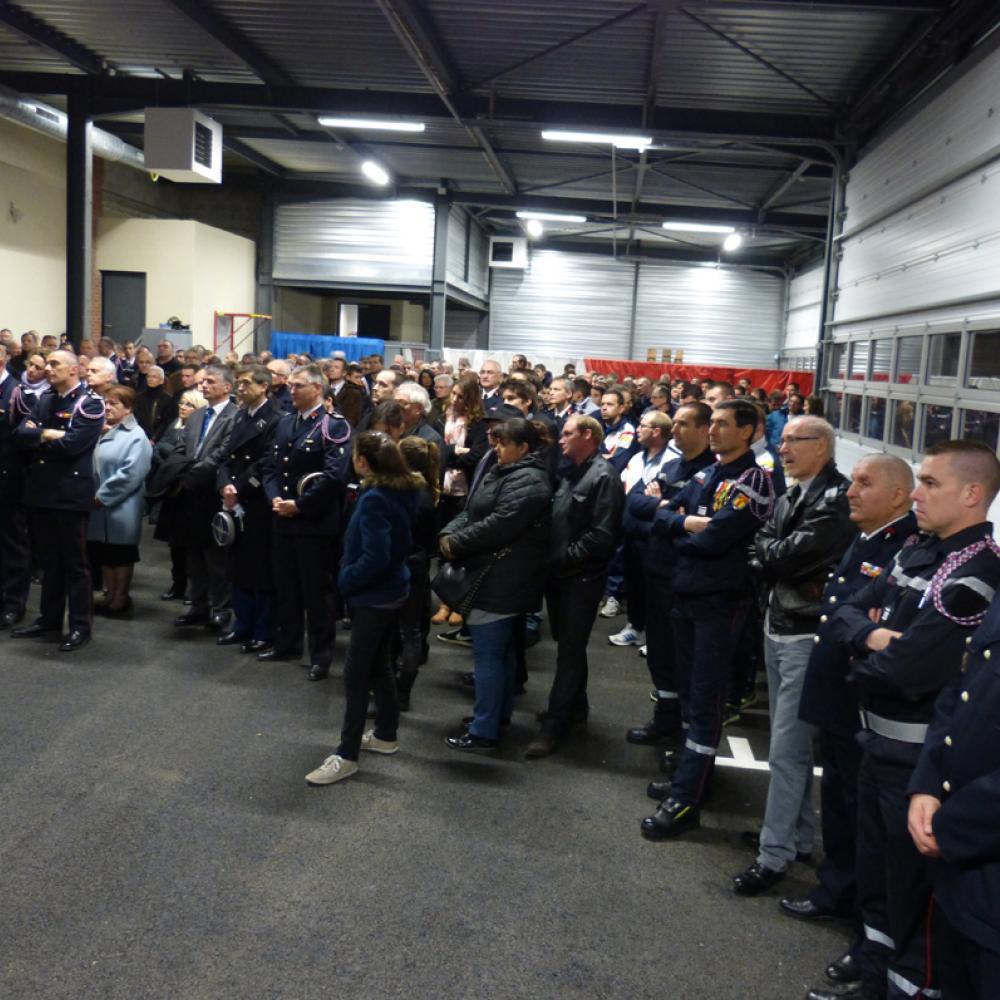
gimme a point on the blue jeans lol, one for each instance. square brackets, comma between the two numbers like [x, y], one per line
[494, 666]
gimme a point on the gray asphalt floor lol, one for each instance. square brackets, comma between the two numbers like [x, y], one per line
[159, 839]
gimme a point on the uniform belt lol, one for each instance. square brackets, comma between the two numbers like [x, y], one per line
[905, 732]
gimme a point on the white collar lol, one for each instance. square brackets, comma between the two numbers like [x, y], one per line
[878, 531]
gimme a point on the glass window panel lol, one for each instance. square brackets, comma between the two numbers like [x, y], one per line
[942, 358]
[881, 356]
[937, 424]
[852, 414]
[859, 359]
[984, 361]
[981, 425]
[908, 359]
[875, 420]
[902, 422]
[832, 401]
[837, 367]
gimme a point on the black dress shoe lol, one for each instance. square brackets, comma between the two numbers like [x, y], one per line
[804, 909]
[752, 839]
[229, 639]
[669, 762]
[844, 971]
[191, 618]
[469, 742]
[255, 646]
[649, 735]
[318, 673]
[33, 631]
[756, 879]
[277, 656]
[74, 640]
[658, 790]
[173, 594]
[670, 820]
[850, 991]
[10, 618]
[219, 619]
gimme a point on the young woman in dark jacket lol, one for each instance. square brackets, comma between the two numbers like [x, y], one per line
[504, 527]
[375, 581]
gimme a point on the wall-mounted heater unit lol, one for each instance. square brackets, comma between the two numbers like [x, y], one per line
[509, 251]
[183, 145]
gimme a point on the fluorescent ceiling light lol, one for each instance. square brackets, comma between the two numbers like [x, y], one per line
[552, 217]
[605, 138]
[697, 227]
[375, 173]
[732, 242]
[534, 228]
[372, 123]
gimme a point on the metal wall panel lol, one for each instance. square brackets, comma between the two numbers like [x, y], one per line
[955, 132]
[805, 294]
[458, 222]
[566, 304]
[461, 327]
[479, 265]
[943, 248]
[722, 316]
[381, 243]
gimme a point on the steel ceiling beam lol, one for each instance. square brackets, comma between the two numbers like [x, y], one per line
[701, 187]
[116, 94]
[232, 39]
[556, 47]
[419, 36]
[38, 32]
[780, 188]
[252, 156]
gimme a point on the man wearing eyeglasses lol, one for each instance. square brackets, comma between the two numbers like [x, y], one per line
[802, 541]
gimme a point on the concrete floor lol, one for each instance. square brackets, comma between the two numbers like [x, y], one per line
[159, 839]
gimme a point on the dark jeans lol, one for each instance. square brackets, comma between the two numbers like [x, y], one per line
[61, 544]
[661, 655]
[894, 883]
[707, 629]
[573, 604]
[368, 668]
[253, 614]
[494, 667]
[303, 570]
[15, 558]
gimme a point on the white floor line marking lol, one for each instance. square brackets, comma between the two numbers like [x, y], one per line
[740, 747]
[743, 757]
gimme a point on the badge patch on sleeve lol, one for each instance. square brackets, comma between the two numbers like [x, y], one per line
[740, 501]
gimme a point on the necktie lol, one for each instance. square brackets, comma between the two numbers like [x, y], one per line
[209, 413]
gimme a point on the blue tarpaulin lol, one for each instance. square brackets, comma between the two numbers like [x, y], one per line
[321, 346]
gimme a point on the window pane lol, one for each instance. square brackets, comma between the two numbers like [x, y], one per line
[832, 402]
[937, 424]
[852, 414]
[902, 422]
[881, 355]
[875, 422]
[984, 362]
[859, 359]
[908, 359]
[942, 358]
[981, 425]
[836, 367]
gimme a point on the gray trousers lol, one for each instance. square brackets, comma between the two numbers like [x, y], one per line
[789, 820]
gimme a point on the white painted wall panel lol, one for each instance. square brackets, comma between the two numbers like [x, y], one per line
[805, 292]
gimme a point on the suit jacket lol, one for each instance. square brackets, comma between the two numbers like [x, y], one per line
[351, 403]
[15, 406]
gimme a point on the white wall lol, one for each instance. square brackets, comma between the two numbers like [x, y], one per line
[32, 231]
[192, 270]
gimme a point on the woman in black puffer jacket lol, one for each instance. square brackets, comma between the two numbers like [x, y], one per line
[505, 527]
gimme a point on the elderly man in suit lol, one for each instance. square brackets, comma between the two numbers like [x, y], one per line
[204, 444]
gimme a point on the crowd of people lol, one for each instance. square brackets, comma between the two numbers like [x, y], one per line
[298, 493]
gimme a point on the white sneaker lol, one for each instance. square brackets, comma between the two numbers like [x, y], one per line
[628, 636]
[371, 742]
[334, 768]
[611, 609]
[642, 650]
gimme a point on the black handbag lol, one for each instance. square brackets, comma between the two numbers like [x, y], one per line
[458, 583]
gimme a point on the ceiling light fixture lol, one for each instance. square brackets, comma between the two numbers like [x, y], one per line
[697, 227]
[534, 228]
[375, 173]
[374, 124]
[604, 138]
[732, 242]
[552, 217]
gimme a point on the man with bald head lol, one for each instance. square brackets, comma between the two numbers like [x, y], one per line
[803, 540]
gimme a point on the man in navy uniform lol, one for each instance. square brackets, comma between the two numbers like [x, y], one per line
[712, 522]
[907, 633]
[15, 547]
[879, 498]
[60, 439]
[306, 520]
[954, 816]
[240, 480]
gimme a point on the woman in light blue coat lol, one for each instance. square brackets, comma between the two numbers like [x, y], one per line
[121, 463]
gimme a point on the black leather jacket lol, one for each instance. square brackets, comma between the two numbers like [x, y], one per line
[802, 541]
[586, 519]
